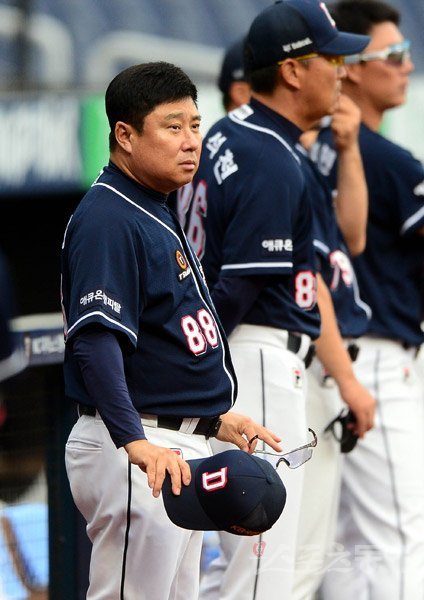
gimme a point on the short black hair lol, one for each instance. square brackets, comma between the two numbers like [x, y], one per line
[262, 81]
[136, 91]
[359, 16]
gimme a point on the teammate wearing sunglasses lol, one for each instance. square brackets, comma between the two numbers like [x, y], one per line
[381, 521]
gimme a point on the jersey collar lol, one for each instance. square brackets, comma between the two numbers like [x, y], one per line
[128, 182]
[287, 128]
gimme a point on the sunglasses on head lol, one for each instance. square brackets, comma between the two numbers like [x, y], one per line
[293, 459]
[339, 427]
[396, 55]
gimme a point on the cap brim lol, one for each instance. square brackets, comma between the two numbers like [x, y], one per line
[345, 44]
[185, 510]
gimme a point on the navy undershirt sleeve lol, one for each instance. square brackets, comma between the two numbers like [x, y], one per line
[233, 297]
[101, 362]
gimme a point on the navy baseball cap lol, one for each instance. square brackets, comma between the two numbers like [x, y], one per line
[293, 28]
[231, 491]
[232, 68]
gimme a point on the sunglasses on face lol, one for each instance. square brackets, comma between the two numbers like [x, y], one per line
[336, 61]
[395, 55]
[293, 459]
[339, 427]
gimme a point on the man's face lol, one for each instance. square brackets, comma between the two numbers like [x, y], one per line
[383, 84]
[323, 87]
[165, 155]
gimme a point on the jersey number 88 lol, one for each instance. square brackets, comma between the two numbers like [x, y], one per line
[200, 332]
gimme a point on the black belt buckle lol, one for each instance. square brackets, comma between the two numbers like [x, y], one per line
[207, 426]
[353, 351]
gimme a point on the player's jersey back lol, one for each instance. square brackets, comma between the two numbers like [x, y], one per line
[390, 269]
[247, 213]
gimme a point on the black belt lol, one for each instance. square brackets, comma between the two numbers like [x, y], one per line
[294, 343]
[207, 426]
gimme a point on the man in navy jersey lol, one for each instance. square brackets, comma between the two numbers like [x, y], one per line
[335, 346]
[381, 523]
[146, 358]
[339, 234]
[249, 218]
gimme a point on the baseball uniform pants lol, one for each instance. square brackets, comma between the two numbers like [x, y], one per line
[321, 486]
[143, 557]
[272, 389]
[379, 553]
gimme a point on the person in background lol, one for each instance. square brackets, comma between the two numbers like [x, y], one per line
[146, 359]
[381, 520]
[231, 80]
[317, 527]
[248, 217]
[334, 392]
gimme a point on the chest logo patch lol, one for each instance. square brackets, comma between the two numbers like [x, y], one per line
[182, 263]
[181, 259]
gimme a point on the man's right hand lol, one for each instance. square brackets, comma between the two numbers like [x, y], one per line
[156, 461]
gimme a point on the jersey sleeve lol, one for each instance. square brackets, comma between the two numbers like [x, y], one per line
[103, 274]
[407, 178]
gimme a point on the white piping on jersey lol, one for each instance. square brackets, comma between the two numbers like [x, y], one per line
[194, 279]
[357, 297]
[412, 220]
[100, 314]
[318, 244]
[268, 132]
[66, 231]
[256, 265]
[196, 260]
[109, 187]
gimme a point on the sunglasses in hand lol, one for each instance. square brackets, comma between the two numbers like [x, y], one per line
[340, 427]
[293, 459]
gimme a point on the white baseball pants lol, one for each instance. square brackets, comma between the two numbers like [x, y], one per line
[379, 553]
[272, 388]
[147, 557]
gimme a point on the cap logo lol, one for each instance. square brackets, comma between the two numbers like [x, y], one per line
[297, 45]
[216, 480]
[327, 14]
[238, 74]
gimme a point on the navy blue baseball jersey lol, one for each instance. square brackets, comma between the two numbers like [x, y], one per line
[127, 267]
[247, 214]
[389, 271]
[334, 262]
